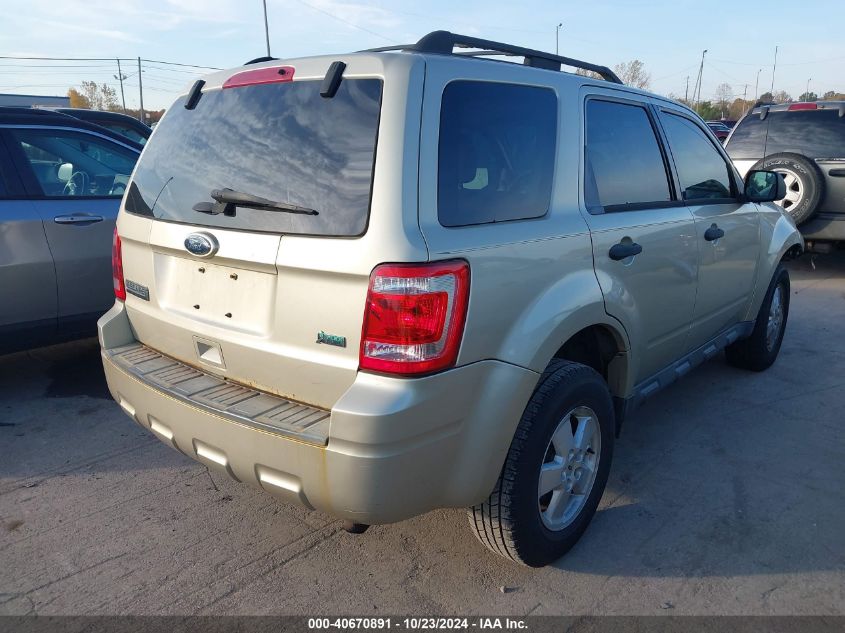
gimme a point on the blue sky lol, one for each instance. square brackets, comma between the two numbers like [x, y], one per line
[668, 36]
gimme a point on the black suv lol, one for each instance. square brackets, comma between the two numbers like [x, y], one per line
[806, 143]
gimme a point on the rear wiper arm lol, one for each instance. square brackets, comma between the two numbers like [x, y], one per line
[228, 199]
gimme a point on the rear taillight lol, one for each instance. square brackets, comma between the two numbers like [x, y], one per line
[803, 106]
[117, 268]
[414, 317]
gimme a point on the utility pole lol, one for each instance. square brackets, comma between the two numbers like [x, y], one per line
[756, 84]
[266, 28]
[141, 93]
[774, 67]
[807, 91]
[686, 91]
[699, 80]
[557, 38]
[120, 76]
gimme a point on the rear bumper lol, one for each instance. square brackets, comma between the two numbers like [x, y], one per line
[396, 448]
[824, 227]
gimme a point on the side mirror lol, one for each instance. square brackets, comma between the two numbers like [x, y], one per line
[764, 186]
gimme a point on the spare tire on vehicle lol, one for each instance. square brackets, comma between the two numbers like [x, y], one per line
[804, 184]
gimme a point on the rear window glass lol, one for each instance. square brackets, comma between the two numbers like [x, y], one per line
[813, 133]
[282, 142]
[497, 152]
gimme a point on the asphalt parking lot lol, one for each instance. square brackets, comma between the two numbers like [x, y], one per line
[727, 496]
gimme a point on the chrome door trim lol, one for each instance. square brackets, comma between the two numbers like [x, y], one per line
[78, 218]
[13, 126]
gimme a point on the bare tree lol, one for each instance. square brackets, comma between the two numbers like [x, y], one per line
[98, 97]
[723, 97]
[781, 96]
[588, 73]
[633, 74]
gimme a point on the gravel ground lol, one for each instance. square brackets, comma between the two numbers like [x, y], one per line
[727, 496]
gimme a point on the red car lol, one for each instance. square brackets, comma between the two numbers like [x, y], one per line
[719, 129]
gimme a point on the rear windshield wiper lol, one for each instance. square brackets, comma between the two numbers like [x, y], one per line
[228, 199]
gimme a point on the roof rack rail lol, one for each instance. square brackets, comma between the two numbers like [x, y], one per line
[444, 43]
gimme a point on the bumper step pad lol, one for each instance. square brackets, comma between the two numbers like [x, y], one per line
[223, 397]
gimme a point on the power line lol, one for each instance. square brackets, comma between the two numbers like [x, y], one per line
[105, 59]
[722, 72]
[348, 23]
[58, 66]
[173, 70]
[155, 61]
[815, 61]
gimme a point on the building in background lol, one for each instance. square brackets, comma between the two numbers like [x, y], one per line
[33, 100]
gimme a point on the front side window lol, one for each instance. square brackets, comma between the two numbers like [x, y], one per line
[701, 169]
[623, 163]
[70, 164]
[496, 154]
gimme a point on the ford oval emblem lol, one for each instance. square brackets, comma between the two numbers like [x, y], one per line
[201, 244]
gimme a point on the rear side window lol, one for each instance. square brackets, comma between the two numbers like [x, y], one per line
[282, 142]
[623, 165]
[73, 164]
[749, 139]
[813, 133]
[124, 130]
[496, 153]
[701, 169]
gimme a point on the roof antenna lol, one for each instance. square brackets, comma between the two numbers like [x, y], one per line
[331, 82]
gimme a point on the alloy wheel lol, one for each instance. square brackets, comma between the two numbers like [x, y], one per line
[569, 469]
[775, 321]
[794, 189]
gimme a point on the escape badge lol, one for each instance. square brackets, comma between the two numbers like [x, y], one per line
[331, 339]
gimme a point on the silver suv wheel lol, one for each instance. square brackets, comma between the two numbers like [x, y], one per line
[775, 321]
[569, 469]
[794, 189]
[555, 470]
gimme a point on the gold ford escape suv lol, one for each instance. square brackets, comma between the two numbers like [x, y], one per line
[385, 282]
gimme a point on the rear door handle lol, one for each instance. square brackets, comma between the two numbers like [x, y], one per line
[78, 218]
[713, 233]
[624, 251]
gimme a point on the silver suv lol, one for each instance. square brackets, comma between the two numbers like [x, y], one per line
[385, 282]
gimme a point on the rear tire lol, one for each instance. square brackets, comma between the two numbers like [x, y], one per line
[804, 184]
[760, 350]
[555, 471]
